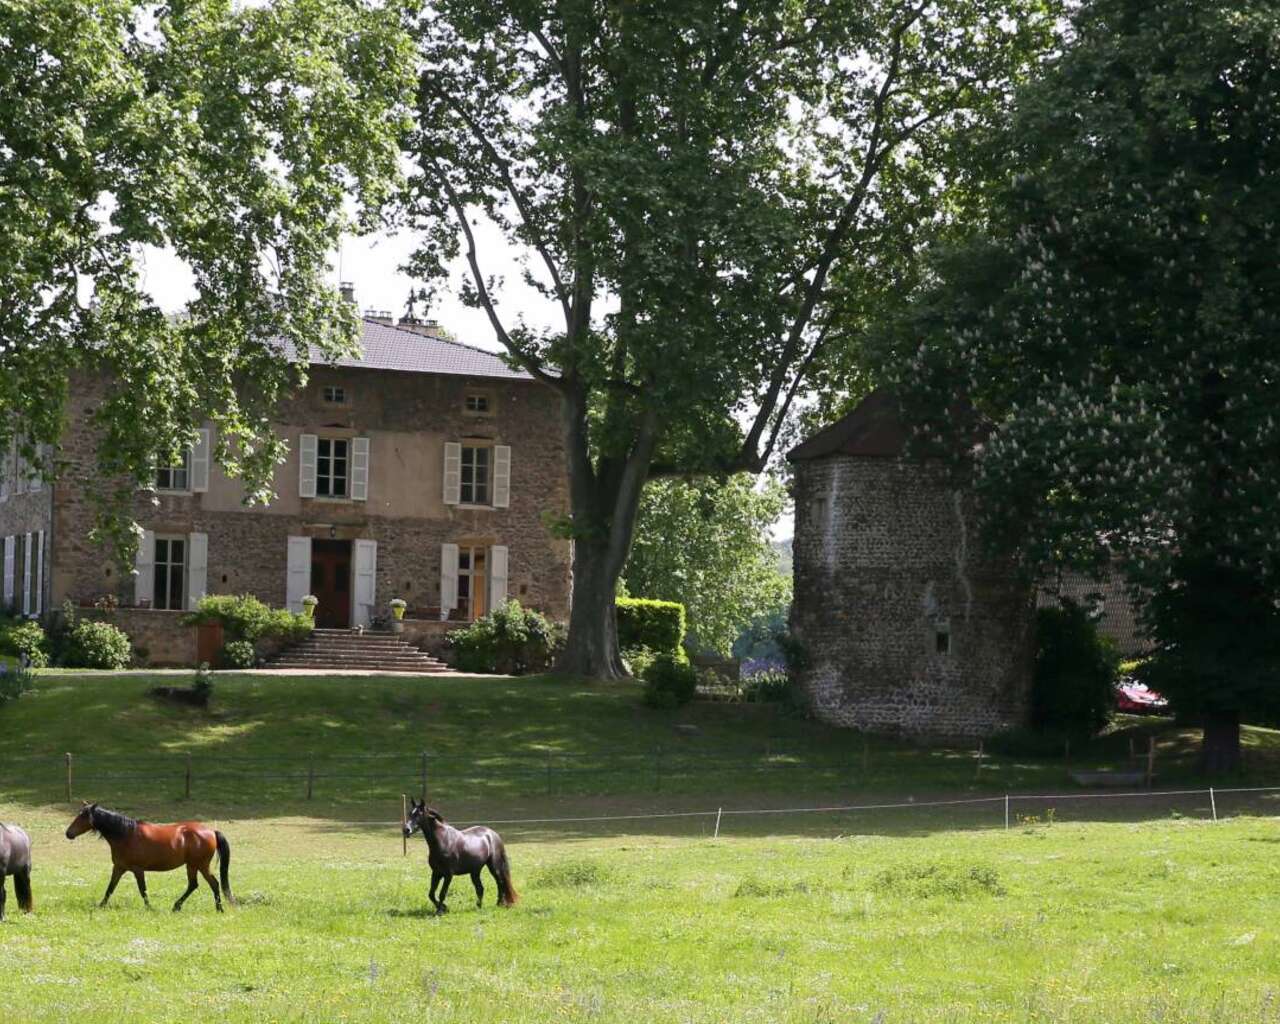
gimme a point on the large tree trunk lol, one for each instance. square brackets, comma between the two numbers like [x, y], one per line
[592, 646]
[1220, 751]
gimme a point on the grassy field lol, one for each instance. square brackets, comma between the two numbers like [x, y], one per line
[901, 915]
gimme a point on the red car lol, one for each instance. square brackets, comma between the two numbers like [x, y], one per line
[1135, 699]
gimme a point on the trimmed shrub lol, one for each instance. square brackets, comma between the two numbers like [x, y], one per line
[244, 617]
[239, 654]
[772, 685]
[1073, 690]
[669, 683]
[638, 660]
[511, 640]
[25, 640]
[657, 625]
[93, 644]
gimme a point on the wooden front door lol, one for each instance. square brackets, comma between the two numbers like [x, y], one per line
[331, 582]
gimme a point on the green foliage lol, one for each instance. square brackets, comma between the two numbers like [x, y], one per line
[1115, 321]
[1073, 690]
[511, 640]
[93, 644]
[770, 686]
[669, 683]
[748, 183]
[705, 544]
[245, 617]
[933, 880]
[202, 683]
[235, 136]
[638, 659]
[14, 682]
[239, 654]
[25, 640]
[656, 625]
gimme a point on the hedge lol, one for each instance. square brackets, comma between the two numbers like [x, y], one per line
[657, 625]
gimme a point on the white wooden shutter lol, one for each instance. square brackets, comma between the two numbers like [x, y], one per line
[26, 575]
[366, 554]
[40, 573]
[200, 462]
[501, 475]
[307, 472]
[10, 543]
[197, 568]
[298, 578]
[497, 577]
[359, 468]
[452, 474]
[448, 579]
[144, 580]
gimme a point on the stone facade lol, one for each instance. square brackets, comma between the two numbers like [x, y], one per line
[906, 626]
[408, 419]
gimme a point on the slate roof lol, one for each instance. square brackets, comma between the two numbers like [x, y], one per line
[392, 348]
[874, 428]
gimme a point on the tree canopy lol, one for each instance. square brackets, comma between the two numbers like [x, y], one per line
[705, 543]
[712, 198]
[239, 137]
[1116, 320]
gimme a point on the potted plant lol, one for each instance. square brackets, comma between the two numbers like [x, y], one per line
[309, 603]
[397, 606]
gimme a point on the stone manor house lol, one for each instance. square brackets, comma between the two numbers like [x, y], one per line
[419, 470]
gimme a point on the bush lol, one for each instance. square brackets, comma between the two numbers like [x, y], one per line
[244, 617]
[657, 625]
[97, 645]
[1073, 690]
[25, 640]
[511, 640]
[14, 682]
[772, 685]
[638, 660]
[239, 654]
[669, 683]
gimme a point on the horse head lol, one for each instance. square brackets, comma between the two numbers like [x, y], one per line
[82, 822]
[420, 817]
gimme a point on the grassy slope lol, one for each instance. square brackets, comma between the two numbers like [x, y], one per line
[781, 919]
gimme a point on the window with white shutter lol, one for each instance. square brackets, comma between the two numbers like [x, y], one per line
[10, 546]
[448, 579]
[360, 468]
[501, 475]
[143, 570]
[298, 572]
[200, 455]
[452, 472]
[26, 574]
[197, 567]
[366, 569]
[39, 580]
[497, 576]
[307, 468]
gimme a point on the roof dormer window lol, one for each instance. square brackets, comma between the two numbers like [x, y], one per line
[335, 395]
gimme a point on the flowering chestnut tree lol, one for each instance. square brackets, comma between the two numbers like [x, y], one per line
[1118, 321]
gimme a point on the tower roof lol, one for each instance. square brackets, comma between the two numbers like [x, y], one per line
[874, 428]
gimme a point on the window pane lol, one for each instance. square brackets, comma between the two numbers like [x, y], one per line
[175, 586]
[464, 558]
[339, 488]
[339, 449]
[162, 478]
[479, 560]
[159, 585]
[322, 447]
[176, 551]
[162, 550]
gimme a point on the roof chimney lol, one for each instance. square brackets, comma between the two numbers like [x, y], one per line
[427, 328]
[380, 316]
[348, 291]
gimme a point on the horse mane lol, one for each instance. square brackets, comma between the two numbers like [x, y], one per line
[111, 824]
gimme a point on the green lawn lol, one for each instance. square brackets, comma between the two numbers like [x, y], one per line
[898, 915]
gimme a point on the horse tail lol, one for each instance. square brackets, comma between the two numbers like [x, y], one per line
[507, 895]
[22, 887]
[224, 865]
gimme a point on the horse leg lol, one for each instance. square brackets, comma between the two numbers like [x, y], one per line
[444, 894]
[142, 886]
[116, 875]
[3, 895]
[475, 880]
[435, 880]
[192, 886]
[213, 884]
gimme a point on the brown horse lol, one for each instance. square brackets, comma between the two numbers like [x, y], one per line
[452, 851]
[140, 846]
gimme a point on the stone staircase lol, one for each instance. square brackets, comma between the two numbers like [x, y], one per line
[344, 650]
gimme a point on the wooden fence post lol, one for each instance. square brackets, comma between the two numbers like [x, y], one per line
[188, 775]
[311, 777]
[1151, 760]
[404, 820]
[68, 777]
[977, 772]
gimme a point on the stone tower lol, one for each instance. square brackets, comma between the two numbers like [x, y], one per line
[907, 627]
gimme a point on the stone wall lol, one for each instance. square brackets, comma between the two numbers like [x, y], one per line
[161, 635]
[408, 417]
[20, 514]
[886, 561]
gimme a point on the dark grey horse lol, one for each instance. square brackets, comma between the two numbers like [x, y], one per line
[15, 859]
[452, 851]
